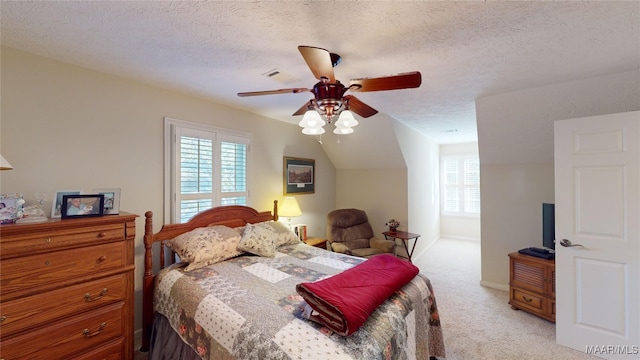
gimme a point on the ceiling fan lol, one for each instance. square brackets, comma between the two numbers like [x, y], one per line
[329, 94]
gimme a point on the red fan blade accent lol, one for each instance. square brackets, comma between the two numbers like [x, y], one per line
[319, 61]
[272, 92]
[359, 107]
[394, 82]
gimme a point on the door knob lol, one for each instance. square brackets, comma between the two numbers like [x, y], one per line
[567, 243]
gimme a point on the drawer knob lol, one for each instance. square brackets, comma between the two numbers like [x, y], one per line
[2, 318]
[102, 258]
[48, 240]
[88, 334]
[88, 298]
[102, 234]
[526, 299]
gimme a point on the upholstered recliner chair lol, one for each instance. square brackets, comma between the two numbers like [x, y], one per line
[349, 232]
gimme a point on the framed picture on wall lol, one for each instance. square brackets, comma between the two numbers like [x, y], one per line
[299, 176]
[111, 200]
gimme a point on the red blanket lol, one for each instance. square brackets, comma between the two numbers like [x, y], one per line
[345, 301]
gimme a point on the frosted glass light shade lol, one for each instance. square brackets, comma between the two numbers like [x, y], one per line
[311, 119]
[346, 119]
[313, 130]
[342, 130]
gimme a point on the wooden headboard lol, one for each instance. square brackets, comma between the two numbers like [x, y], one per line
[230, 215]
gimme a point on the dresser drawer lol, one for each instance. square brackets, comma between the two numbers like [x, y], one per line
[34, 242]
[65, 339]
[527, 299]
[45, 308]
[44, 270]
[114, 350]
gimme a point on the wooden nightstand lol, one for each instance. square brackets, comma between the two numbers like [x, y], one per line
[317, 242]
[532, 285]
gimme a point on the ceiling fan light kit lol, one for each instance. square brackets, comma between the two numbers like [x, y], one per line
[329, 94]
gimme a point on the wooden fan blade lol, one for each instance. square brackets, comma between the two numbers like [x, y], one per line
[394, 82]
[272, 92]
[302, 110]
[319, 61]
[359, 107]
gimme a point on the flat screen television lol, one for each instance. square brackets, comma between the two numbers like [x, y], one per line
[548, 226]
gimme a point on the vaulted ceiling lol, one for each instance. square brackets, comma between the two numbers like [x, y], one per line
[464, 50]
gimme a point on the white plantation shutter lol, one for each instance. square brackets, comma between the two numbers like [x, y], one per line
[471, 186]
[233, 171]
[460, 185]
[451, 196]
[195, 154]
[208, 167]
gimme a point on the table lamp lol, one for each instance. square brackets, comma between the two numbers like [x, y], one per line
[4, 164]
[289, 208]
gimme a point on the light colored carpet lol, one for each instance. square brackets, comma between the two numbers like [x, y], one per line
[478, 322]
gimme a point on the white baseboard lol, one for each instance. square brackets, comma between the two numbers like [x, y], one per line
[497, 286]
[137, 339]
[453, 237]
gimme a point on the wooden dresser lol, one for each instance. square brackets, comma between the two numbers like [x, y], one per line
[532, 285]
[66, 289]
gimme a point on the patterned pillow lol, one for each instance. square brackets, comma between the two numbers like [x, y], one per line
[284, 235]
[258, 240]
[206, 245]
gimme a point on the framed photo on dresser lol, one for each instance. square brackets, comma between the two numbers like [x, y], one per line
[56, 208]
[111, 200]
[75, 206]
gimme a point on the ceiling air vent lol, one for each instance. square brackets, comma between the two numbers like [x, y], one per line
[280, 76]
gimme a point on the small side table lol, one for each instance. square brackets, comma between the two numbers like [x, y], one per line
[406, 238]
[317, 242]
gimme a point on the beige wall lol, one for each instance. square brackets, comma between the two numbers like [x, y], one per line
[409, 194]
[382, 193]
[514, 184]
[421, 155]
[64, 128]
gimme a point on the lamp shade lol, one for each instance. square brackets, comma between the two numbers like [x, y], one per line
[311, 119]
[289, 207]
[346, 119]
[4, 164]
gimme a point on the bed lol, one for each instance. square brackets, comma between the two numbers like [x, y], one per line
[246, 306]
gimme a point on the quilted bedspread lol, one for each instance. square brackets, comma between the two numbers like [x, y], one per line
[247, 308]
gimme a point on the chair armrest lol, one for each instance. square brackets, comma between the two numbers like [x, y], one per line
[384, 245]
[340, 248]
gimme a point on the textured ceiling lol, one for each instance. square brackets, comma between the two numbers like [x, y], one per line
[464, 50]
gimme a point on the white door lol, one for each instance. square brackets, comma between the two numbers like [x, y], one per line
[597, 194]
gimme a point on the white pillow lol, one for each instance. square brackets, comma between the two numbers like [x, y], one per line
[258, 240]
[206, 245]
[284, 235]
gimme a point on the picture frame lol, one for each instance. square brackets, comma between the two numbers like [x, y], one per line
[111, 200]
[78, 206]
[10, 207]
[57, 201]
[298, 175]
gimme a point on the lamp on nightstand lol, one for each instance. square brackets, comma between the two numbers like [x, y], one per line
[289, 208]
[4, 164]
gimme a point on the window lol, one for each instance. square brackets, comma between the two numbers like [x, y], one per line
[460, 185]
[207, 167]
